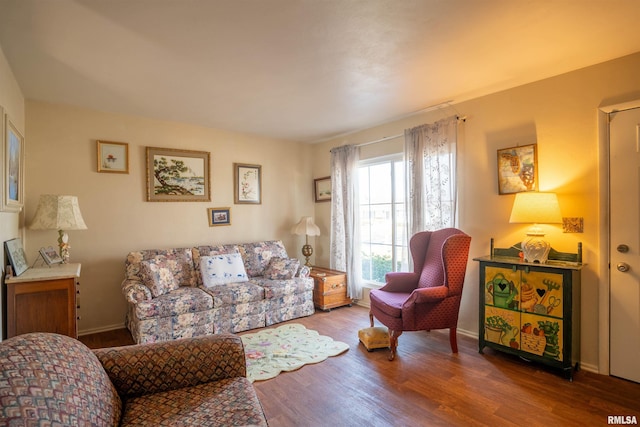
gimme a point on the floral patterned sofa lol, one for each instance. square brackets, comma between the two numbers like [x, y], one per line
[54, 380]
[187, 292]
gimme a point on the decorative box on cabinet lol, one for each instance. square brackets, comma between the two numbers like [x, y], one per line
[330, 288]
[43, 300]
[532, 310]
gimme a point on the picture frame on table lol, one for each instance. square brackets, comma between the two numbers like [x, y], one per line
[13, 167]
[50, 255]
[219, 216]
[175, 175]
[113, 157]
[247, 184]
[322, 189]
[16, 256]
[518, 169]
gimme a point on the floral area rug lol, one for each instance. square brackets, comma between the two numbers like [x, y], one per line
[286, 348]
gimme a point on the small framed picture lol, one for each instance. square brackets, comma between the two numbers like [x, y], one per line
[219, 216]
[322, 187]
[113, 157]
[13, 165]
[50, 255]
[15, 252]
[517, 169]
[247, 183]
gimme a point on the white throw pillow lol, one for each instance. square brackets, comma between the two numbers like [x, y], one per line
[222, 269]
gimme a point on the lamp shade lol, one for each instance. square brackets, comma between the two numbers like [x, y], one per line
[58, 213]
[305, 227]
[536, 208]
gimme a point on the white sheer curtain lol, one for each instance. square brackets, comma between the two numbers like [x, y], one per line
[430, 165]
[344, 253]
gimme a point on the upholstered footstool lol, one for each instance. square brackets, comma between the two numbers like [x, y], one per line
[374, 337]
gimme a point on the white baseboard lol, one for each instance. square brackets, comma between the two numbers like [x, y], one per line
[101, 329]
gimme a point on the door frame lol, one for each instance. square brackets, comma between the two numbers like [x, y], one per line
[605, 235]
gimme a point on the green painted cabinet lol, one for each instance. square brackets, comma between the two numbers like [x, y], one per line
[531, 310]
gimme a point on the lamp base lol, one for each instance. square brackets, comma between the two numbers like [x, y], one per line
[535, 248]
[307, 251]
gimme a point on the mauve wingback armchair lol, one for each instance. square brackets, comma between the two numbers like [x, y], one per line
[429, 298]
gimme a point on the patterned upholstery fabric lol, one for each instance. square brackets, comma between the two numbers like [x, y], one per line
[257, 255]
[54, 380]
[49, 379]
[281, 268]
[193, 309]
[189, 382]
[429, 297]
[157, 275]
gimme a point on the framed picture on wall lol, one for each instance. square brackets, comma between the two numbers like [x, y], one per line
[518, 169]
[13, 168]
[113, 157]
[247, 183]
[219, 216]
[177, 175]
[322, 189]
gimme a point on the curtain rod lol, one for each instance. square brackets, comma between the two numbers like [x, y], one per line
[387, 138]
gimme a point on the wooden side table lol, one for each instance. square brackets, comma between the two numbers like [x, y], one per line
[330, 288]
[43, 300]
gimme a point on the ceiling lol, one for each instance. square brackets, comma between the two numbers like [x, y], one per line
[302, 70]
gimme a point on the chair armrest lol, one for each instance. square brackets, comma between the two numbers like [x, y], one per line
[135, 291]
[151, 368]
[400, 282]
[427, 295]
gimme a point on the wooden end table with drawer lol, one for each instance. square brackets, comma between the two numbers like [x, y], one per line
[330, 288]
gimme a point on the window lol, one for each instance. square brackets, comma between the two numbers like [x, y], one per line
[383, 242]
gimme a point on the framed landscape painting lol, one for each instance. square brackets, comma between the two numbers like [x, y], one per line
[177, 175]
[322, 189]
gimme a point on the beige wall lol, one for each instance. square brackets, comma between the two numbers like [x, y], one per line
[560, 115]
[61, 159]
[12, 101]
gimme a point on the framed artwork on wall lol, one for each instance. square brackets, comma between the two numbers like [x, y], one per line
[113, 157]
[518, 169]
[13, 165]
[247, 183]
[219, 216]
[322, 189]
[177, 175]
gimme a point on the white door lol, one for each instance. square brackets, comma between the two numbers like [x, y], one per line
[625, 244]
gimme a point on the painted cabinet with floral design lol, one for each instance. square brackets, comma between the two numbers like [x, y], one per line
[531, 310]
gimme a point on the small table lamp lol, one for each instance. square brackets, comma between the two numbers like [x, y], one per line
[535, 208]
[307, 228]
[60, 213]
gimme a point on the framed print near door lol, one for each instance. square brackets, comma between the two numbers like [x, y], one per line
[247, 183]
[13, 168]
[518, 169]
[177, 175]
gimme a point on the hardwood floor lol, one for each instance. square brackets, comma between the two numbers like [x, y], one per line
[427, 384]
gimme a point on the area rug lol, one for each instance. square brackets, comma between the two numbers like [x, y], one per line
[286, 348]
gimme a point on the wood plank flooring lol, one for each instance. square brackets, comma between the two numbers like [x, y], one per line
[427, 384]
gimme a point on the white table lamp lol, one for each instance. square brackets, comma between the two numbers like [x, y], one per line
[536, 208]
[60, 213]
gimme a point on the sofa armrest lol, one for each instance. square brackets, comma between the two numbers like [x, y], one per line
[151, 368]
[134, 291]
